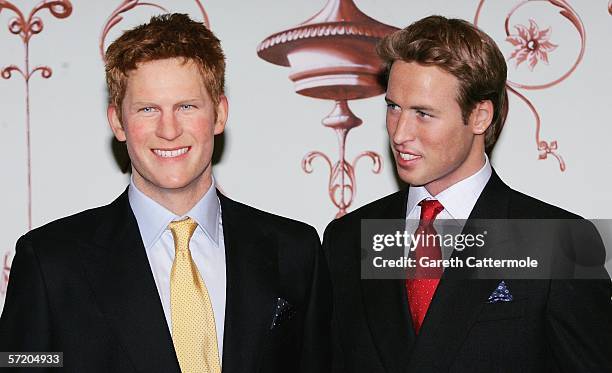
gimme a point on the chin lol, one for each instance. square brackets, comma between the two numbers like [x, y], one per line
[167, 182]
[409, 178]
[176, 184]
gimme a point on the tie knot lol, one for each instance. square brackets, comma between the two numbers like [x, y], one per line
[182, 231]
[430, 208]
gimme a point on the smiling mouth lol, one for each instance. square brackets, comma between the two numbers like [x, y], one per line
[408, 156]
[171, 153]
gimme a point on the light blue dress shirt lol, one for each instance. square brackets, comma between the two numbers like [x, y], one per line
[207, 248]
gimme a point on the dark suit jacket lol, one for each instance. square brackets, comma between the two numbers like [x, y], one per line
[550, 326]
[83, 285]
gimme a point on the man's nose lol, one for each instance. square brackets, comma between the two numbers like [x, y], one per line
[169, 128]
[405, 129]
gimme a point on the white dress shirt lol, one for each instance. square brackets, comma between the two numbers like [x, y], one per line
[458, 201]
[207, 248]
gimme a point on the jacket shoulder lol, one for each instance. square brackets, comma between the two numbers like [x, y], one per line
[527, 207]
[265, 221]
[388, 207]
[82, 223]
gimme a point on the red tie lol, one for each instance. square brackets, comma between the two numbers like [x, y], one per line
[422, 287]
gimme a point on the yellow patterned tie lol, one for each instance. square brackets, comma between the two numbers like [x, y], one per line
[193, 321]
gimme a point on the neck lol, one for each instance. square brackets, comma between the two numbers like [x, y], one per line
[471, 165]
[179, 201]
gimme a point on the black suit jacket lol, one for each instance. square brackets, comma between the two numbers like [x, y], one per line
[82, 285]
[550, 326]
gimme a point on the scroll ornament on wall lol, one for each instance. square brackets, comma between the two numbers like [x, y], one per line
[26, 27]
[128, 5]
[332, 57]
[533, 45]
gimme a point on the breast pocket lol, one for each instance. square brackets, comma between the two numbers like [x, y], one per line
[502, 311]
[282, 346]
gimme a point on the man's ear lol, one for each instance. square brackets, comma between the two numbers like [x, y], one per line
[481, 117]
[222, 109]
[115, 123]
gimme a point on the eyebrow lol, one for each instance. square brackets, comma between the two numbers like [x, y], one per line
[389, 101]
[152, 103]
[424, 108]
[194, 99]
[414, 107]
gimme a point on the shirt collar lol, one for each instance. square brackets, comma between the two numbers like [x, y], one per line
[154, 218]
[458, 199]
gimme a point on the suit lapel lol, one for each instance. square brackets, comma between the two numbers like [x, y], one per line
[457, 302]
[493, 202]
[386, 306]
[251, 291]
[124, 287]
[452, 312]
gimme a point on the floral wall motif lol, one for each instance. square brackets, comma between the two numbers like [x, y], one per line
[533, 45]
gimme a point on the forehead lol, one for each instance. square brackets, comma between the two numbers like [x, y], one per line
[411, 79]
[170, 73]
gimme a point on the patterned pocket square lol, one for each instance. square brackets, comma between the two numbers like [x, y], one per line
[500, 294]
[284, 311]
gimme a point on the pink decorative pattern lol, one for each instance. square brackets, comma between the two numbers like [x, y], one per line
[4, 276]
[313, 31]
[127, 5]
[531, 43]
[26, 28]
[543, 147]
[332, 57]
[342, 185]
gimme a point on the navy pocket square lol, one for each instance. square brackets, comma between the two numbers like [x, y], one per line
[500, 294]
[282, 312]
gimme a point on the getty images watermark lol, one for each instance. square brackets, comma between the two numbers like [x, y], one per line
[491, 248]
[459, 242]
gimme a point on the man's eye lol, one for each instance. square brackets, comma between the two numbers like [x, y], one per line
[393, 107]
[147, 109]
[187, 106]
[422, 114]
